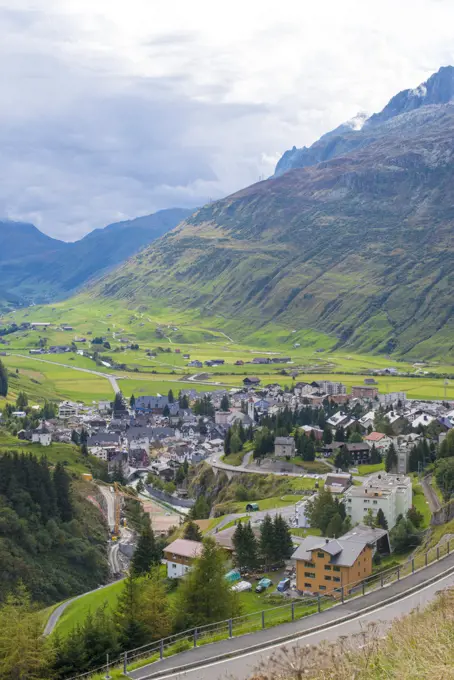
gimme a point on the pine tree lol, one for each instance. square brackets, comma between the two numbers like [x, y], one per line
[380, 520]
[21, 401]
[24, 652]
[62, 486]
[375, 455]
[267, 543]
[132, 401]
[251, 547]
[166, 411]
[3, 381]
[225, 403]
[391, 459]
[155, 613]
[200, 509]
[128, 615]
[146, 553]
[283, 544]
[204, 595]
[335, 526]
[170, 397]
[192, 532]
[238, 544]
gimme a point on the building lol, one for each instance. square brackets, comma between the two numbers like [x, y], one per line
[338, 482]
[391, 493]
[381, 441]
[301, 507]
[284, 446]
[154, 404]
[393, 398]
[331, 388]
[251, 382]
[67, 409]
[179, 556]
[364, 392]
[221, 417]
[324, 565]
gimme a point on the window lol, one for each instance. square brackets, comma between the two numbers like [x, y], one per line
[321, 555]
[327, 578]
[309, 574]
[328, 567]
[309, 564]
[336, 568]
[322, 587]
[174, 566]
[375, 502]
[308, 585]
[336, 578]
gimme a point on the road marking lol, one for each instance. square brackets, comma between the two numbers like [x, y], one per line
[296, 639]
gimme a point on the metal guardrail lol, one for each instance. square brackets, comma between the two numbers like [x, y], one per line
[267, 618]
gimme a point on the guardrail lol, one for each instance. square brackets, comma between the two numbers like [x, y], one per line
[249, 623]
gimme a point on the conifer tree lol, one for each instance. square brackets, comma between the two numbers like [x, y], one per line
[192, 532]
[62, 486]
[128, 615]
[3, 381]
[391, 459]
[283, 544]
[146, 553]
[267, 542]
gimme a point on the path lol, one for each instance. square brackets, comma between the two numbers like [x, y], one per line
[110, 378]
[430, 494]
[244, 659]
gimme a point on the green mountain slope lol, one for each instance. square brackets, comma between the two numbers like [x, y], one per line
[39, 269]
[359, 246]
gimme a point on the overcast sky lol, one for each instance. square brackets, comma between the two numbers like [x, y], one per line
[116, 108]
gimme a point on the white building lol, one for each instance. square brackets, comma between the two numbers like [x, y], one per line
[43, 438]
[68, 409]
[302, 521]
[392, 398]
[391, 493]
[179, 556]
[331, 388]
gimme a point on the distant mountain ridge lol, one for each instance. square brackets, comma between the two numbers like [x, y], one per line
[362, 131]
[356, 241]
[37, 268]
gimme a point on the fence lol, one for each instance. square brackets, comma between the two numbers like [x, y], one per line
[267, 618]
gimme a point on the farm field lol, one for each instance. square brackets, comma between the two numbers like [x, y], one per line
[203, 339]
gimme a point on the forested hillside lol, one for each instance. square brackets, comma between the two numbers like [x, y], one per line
[52, 540]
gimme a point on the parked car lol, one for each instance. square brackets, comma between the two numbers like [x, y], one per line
[263, 584]
[242, 587]
[283, 585]
[252, 507]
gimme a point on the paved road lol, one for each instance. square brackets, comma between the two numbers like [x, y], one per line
[110, 502]
[242, 666]
[216, 462]
[430, 495]
[112, 379]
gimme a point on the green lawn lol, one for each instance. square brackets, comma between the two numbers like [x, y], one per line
[369, 469]
[267, 503]
[234, 458]
[420, 503]
[314, 466]
[77, 611]
[55, 453]
[306, 532]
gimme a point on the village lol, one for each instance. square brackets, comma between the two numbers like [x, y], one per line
[357, 448]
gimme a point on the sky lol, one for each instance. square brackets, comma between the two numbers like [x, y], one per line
[112, 109]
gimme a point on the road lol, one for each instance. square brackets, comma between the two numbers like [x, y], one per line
[430, 495]
[216, 462]
[113, 559]
[112, 379]
[246, 660]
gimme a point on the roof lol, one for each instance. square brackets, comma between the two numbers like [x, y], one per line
[344, 551]
[285, 441]
[184, 548]
[375, 436]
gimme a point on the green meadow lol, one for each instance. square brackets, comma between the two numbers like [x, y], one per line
[156, 329]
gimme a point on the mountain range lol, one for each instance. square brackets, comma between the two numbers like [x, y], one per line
[37, 268]
[352, 236]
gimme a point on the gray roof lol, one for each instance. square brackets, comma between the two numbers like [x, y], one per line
[344, 551]
[103, 437]
[285, 441]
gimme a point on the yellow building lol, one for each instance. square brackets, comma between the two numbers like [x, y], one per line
[324, 565]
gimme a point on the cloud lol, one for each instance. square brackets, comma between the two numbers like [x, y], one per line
[111, 109]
